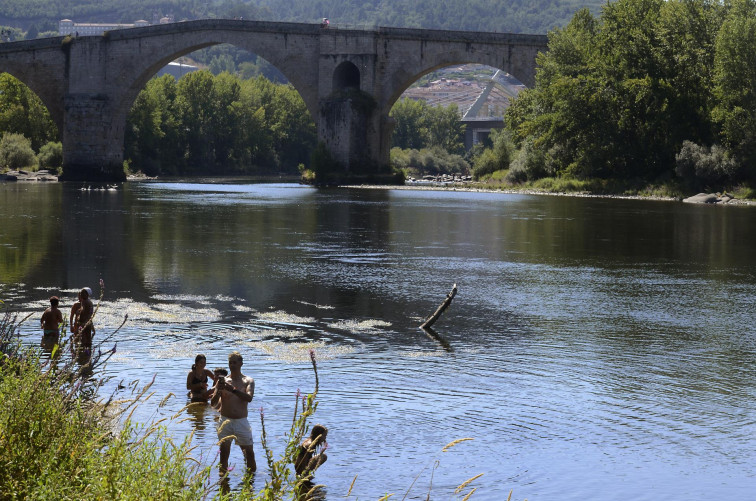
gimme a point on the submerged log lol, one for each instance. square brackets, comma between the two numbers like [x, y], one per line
[432, 319]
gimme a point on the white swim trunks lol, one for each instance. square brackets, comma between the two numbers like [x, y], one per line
[238, 427]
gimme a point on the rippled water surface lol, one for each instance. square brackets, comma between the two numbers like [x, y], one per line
[597, 349]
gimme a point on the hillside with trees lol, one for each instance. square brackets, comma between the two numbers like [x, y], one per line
[516, 16]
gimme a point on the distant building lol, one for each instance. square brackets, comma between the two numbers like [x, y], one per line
[178, 70]
[68, 27]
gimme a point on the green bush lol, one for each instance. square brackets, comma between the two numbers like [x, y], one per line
[702, 167]
[51, 156]
[486, 164]
[529, 164]
[16, 152]
[496, 158]
[433, 161]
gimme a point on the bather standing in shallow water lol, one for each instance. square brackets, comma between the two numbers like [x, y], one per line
[196, 380]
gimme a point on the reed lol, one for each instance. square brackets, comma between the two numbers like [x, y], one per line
[57, 441]
[284, 482]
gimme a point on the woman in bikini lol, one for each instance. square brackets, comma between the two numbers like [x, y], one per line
[196, 380]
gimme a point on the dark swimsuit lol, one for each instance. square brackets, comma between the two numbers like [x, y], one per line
[198, 397]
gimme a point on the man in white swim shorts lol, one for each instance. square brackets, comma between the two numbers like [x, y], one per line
[235, 392]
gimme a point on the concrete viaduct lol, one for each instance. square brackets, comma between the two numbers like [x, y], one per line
[90, 83]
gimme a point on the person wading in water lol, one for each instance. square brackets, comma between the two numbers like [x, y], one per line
[234, 393]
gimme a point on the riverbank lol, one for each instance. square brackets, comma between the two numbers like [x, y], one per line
[702, 198]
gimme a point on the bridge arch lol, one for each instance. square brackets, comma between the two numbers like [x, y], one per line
[147, 59]
[28, 113]
[403, 78]
[89, 83]
[50, 90]
[346, 76]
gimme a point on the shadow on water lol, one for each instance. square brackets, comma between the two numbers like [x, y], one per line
[437, 337]
[198, 414]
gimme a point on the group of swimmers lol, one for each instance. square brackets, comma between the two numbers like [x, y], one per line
[231, 394]
[79, 322]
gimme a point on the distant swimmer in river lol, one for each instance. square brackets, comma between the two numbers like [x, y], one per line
[196, 380]
[52, 320]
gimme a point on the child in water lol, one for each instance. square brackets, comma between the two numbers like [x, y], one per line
[196, 380]
[307, 460]
[219, 373]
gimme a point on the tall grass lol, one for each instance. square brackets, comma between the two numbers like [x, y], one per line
[604, 187]
[58, 442]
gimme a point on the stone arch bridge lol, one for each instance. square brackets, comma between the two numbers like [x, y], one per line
[90, 83]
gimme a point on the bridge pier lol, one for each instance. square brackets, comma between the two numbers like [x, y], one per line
[345, 126]
[92, 140]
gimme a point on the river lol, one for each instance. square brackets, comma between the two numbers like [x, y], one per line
[597, 348]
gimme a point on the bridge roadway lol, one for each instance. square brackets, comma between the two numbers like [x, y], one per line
[349, 78]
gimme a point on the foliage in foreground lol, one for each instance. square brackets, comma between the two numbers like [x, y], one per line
[57, 441]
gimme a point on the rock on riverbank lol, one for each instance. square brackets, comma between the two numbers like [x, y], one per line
[712, 198]
[23, 175]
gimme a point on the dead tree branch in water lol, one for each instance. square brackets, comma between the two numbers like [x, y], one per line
[432, 319]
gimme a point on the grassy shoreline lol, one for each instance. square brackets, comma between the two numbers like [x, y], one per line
[743, 196]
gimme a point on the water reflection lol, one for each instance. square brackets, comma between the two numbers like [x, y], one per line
[436, 337]
[595, 345]
[199, 412]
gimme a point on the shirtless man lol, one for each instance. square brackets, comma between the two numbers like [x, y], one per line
[234, 393]
[52, 319]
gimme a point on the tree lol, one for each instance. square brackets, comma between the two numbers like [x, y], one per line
[735, 83]
[22, 112]
[445, 128]
[498, 157]
[143, 129]
[16, 152]
[51, 156]
[410, 129]
[194, 104]
[419, 125]
[616, 96]
[219, 64]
